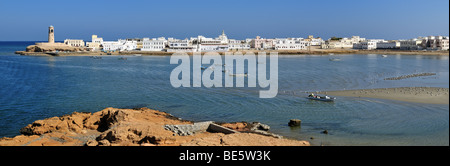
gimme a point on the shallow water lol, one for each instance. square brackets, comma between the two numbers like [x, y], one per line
[36, 87]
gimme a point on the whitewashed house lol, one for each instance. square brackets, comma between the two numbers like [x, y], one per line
[388, 45]
[177, 45]
[74, 42]
[370, 44]
[155, 44]
[219, 44]
[411, 44]
[111, 45]
[238, 44]
[436, 43]
[291, 44]
[343, 43]
[120, 45]
[95, 44]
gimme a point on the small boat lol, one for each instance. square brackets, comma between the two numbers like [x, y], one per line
[321, 98]
[137, 54]
[203, 67]
[335, 59]
[384, 56]
[55, 53]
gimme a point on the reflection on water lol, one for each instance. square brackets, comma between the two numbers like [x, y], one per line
[41, 87]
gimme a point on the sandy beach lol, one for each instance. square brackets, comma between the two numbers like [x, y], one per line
[428, 95]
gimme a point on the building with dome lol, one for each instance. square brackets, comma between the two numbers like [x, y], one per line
[219, 44]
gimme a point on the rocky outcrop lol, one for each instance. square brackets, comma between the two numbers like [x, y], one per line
[131, 127]
[52, 47]
[294, 122]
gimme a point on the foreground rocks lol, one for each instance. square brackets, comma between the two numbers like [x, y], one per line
[51, 47]
[130, 127]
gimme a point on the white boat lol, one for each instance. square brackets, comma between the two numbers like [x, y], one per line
[335, 59]
[384, 56]
[321, 98]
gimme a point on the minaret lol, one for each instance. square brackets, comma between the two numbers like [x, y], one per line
[223, 38]
[51, 34]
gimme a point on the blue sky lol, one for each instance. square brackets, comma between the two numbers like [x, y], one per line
[23, 20]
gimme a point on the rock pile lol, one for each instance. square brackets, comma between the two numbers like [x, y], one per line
[410, 76]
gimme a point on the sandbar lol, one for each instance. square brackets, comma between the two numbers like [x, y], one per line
[428, 95]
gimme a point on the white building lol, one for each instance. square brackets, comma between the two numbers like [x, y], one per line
[154, 44]
[95, 44]
[111, 45]
[314, 41]
[176, 45]
[120, 45]
[74, 42]
[388, 45]
[436, 43]
[238, 44]
[262, 43]
[370, 44]
[411, 44]
[219, 44]
[343, 43]
[291, 44]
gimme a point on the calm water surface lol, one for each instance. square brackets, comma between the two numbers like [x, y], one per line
[34, 87]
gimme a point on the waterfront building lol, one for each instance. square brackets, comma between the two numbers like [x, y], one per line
[234, 44]
[435, 43]
[177, 45]
[74, 42]
[120, 45]
[139, 42]
[128, 45]
[261, 43]
[343, 43]
[95, 44]
[370, 44]
[314, 41]
[219, 44]
[111, 45]
[154, 44]
[291, 44]
[411, 44]
[388, 45]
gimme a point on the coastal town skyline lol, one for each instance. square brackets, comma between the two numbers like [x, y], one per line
[138, 19]
[223, 44]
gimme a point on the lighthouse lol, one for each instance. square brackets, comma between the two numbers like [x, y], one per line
[51, 34]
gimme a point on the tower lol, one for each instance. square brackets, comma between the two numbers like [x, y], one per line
[51, 34]
[223, 38]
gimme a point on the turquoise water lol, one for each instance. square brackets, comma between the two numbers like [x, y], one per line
[36, 87]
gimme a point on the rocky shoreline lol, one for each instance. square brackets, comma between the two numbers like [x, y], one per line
[142, 127]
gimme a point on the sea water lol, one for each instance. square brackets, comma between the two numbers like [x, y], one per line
[39, 87]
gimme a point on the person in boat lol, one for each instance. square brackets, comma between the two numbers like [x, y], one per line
[312, 95]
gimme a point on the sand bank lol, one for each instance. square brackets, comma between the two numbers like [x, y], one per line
[429, 95]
